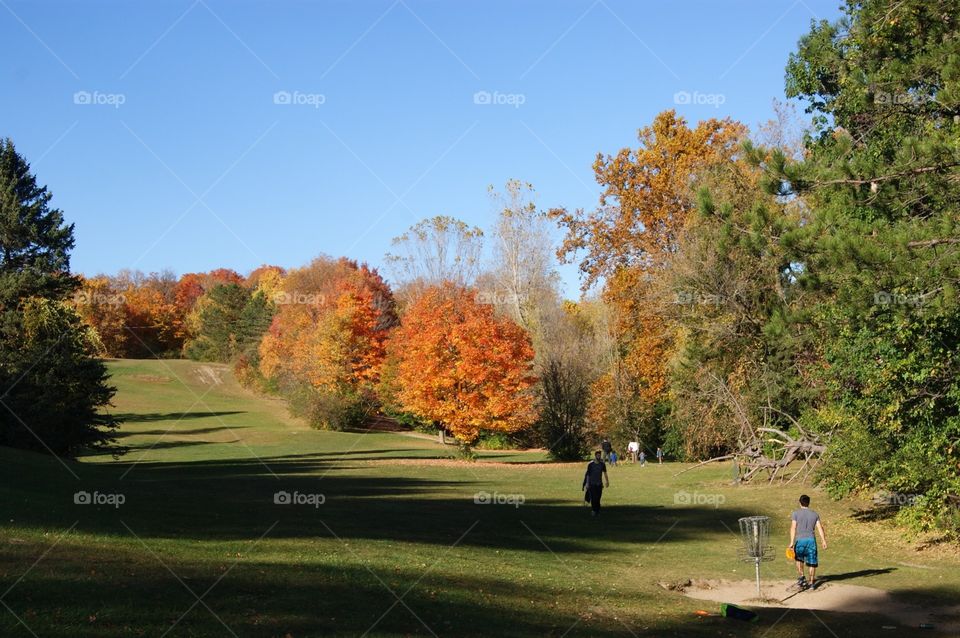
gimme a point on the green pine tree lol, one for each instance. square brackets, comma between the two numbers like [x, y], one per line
[52, 389]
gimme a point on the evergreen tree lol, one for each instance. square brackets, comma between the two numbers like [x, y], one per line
[35, 244]
[218, 324]
[881, 247]
[51, 386]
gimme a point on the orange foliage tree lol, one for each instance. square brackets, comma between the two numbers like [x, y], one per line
[152, 318]
[459, 365]
[645, 207]
[326, 345]
[101, 306]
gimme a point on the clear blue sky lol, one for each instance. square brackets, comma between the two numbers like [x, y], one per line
[200, 168]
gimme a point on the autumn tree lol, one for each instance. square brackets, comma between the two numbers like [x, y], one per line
[568, 362]
[326, 344]
[648, 197]
[461, 366]
[268, 279]
[102, 307]
[152, 317]
[433, 251]
[524, 281]
[739, 362]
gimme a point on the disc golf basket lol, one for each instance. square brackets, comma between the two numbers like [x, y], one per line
[755, 532]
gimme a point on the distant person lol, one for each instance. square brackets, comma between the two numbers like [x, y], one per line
[607, 447]
[593, 482]
[613, 458]
[632, 448]
[643, 458]
[659, 456]
[804, 542]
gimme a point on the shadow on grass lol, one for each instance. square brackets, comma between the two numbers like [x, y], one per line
[863, 573]
[330, 569]
[146, 417]
[179, 432]
[236, 499]
[876, 513]
[134, 591]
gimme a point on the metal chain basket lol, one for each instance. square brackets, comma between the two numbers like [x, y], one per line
[755, 533]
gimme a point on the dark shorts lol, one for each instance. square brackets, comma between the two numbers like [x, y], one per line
[806, 551]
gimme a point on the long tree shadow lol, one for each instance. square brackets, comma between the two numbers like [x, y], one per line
[222, 500]
[250, 593]
[146, 417]
[863, 573]
[178, 432]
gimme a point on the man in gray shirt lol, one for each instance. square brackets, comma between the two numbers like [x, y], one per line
[803, 541]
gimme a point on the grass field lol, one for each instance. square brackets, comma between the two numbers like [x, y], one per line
[398, 547]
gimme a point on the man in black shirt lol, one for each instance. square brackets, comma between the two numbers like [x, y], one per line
[594, 480]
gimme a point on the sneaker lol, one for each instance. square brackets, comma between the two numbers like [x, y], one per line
[814, 584]
[802, 582]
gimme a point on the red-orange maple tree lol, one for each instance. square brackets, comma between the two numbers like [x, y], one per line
[330, 329]
[458, 364]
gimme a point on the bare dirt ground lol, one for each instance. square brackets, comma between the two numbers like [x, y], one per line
[210, 375]
[837, 597]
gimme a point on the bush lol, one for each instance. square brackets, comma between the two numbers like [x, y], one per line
[564, 390]
[495, 441]
[325, 410]
[55, 388]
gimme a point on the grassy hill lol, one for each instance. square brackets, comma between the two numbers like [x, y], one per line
[399, 546]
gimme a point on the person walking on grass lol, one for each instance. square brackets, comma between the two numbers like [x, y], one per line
[607, 447]
[659, 456]
[593, 482]
[803, 542]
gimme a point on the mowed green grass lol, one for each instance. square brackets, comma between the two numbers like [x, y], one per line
[399, 546]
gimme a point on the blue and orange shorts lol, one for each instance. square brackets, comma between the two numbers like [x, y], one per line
[806, 551]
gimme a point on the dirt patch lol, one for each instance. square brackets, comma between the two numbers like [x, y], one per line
[835, 597]
[210, 375]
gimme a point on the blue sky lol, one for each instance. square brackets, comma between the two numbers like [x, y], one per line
[196, 134]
